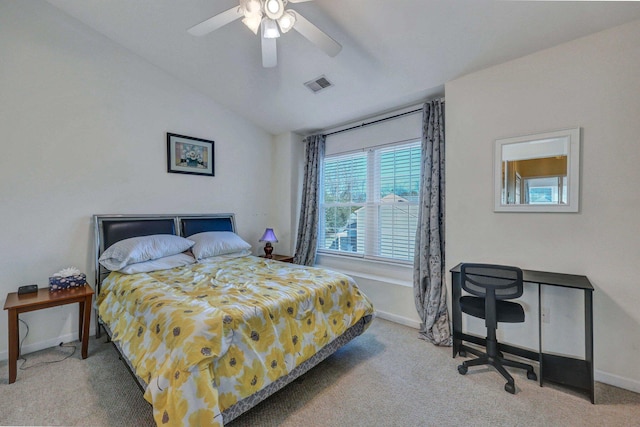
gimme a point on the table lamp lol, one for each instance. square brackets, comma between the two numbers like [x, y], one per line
[268, 236]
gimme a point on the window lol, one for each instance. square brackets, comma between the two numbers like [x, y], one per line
[369, 205]
[549, 190]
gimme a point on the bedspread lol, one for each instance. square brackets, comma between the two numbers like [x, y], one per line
[205, 336]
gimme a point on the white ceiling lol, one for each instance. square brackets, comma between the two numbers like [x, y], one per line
[395, 52]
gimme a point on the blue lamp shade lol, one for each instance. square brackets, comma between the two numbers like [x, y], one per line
[269, 236]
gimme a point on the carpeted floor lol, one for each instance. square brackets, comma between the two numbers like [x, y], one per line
[386, 377]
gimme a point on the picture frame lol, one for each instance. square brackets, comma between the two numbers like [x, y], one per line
[189, 155]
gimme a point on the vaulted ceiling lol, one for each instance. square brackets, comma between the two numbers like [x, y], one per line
[395, 52]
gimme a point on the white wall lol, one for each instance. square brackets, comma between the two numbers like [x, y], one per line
[83, 131]
[592, 83]
[286, 190]
[388, 286]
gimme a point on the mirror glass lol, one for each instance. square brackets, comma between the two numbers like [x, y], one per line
[538, 173]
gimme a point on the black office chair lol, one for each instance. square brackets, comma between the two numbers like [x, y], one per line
[492, 285]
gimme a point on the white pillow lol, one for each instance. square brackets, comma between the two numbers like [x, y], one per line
[144, 248]
[214, 243]
[164, 263]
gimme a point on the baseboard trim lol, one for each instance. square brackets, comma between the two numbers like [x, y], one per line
[617, 381]
[398, 319]
[41, 345]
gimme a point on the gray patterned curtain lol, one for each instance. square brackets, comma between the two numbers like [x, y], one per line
[307, 240]
[428, 270]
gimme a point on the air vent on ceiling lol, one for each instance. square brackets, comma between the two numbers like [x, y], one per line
[318, 84]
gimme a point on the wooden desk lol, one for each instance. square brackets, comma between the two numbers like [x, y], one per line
[576, 373]
[17, 304]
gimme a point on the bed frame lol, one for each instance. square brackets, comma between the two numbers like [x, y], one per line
[110, 229]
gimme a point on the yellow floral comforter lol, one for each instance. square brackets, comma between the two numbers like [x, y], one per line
[206, 336]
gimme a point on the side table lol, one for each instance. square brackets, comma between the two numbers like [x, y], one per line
[17, 304]
[282, 258]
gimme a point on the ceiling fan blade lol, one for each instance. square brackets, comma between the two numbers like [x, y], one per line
[215, 22]
[269, 53]
[316, 36]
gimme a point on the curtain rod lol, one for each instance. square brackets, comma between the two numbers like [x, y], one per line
[363, 124]
[374, 122]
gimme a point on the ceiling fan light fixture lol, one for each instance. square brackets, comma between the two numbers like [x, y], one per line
[251, 7]
[271, 18]
[270, 29]
[253, 22]
[287, 21]
[274, 9]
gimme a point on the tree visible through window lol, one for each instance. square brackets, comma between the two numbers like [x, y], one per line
[369, 203]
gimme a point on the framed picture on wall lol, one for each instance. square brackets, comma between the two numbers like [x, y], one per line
[186, 154]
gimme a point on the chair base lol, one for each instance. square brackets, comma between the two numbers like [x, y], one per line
[499, 363]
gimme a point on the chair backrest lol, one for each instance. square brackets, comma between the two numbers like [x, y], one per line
[483, 279]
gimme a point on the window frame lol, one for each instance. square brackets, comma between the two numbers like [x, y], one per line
[373, 204]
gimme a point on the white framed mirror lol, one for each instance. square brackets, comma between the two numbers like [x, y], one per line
[538, 173]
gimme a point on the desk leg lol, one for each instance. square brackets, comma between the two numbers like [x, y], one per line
[84, 322]
[588, 340]
[456, 313]
[540, 364]
[13, 345]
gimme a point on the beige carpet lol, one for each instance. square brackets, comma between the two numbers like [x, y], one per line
[387, 377]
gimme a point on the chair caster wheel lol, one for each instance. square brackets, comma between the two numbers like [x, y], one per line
[532, 376]
[462, 353]
[462, 369]
[510, 388]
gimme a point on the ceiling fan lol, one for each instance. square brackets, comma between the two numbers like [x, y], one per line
[268, 16]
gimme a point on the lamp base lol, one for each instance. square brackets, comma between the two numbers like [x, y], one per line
[268, 250]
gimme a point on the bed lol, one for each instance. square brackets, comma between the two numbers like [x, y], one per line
[208, 340]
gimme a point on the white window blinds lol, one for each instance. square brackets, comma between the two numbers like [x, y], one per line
[370, 202]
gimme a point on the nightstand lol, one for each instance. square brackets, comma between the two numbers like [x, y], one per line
[17, 304]
[281, 258]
